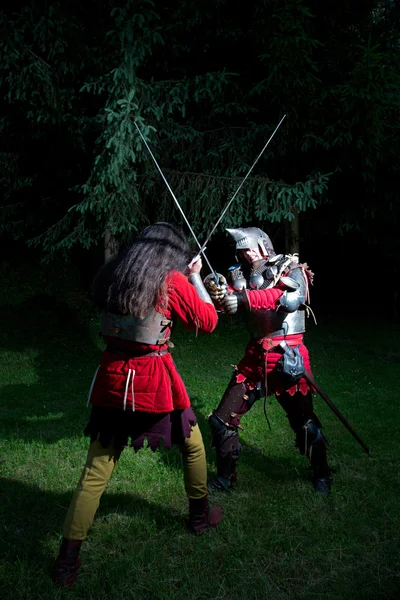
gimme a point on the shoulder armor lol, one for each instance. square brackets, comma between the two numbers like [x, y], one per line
[296, 273]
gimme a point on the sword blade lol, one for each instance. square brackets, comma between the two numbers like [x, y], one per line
[307, 375]
[202, 248]
[337, 412]
[241, 184]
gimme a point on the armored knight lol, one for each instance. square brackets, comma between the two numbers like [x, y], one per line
[272, 290]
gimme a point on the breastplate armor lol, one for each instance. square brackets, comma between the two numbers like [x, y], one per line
[269, 323]
[154, 329]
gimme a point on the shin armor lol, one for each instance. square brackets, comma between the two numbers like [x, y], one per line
[309, 438]
[225, 422]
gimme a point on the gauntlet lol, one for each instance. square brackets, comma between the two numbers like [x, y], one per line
[237, 301]
[216, 290]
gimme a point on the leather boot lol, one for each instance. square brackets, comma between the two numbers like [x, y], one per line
[322, 472]
[323, 485]
[226, 469]
[201, 517]
[67, 564]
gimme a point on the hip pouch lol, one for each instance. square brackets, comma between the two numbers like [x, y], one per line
[291, 364]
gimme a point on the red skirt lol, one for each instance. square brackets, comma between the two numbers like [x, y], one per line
[259, 364]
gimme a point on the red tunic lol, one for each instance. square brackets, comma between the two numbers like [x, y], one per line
[153, 382]
[261, 355]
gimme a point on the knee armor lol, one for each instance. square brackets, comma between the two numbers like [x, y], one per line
[227, 446]
[313, 432]
[218, 428]
[225, 439]
[307, 436]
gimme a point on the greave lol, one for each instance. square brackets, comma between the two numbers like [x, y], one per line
[318, 459]
[227, 453]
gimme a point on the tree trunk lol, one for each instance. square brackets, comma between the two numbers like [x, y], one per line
[292, 235]
[110, 246]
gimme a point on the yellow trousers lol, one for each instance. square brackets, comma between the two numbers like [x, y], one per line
[99, 466]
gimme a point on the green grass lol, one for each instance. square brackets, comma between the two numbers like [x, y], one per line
[278, 539]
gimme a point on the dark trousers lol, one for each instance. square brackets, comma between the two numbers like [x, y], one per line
[238, 400]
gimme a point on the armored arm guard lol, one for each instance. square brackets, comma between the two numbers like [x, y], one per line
[294, 296]
[195, 279]
[291, 301]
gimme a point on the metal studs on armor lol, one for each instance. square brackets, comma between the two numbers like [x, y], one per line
[270, 272]
[256, 281]
[237, 278]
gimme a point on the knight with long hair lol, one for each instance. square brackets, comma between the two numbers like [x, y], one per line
[137, 393]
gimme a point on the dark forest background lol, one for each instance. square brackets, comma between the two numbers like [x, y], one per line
[207, 82]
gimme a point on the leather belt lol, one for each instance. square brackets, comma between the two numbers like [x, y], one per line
[134, 354]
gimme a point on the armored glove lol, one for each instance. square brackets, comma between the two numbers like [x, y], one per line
[235, 302]
[216, 290]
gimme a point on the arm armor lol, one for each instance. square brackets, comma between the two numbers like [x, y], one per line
[291, 301]
[195, 279]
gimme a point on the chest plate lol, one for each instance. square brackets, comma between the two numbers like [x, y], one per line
[270, 323]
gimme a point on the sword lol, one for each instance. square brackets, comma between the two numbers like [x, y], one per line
[307, 375]
[240, 186]
[202, 248]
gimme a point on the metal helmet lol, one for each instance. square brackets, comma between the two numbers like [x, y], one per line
[252, 237]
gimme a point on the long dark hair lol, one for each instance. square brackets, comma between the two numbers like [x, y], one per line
[136, 279]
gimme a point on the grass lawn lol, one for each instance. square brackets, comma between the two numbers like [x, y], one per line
[278, 539]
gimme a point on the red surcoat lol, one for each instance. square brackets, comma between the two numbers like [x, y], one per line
[261, 355]
[152, 382]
